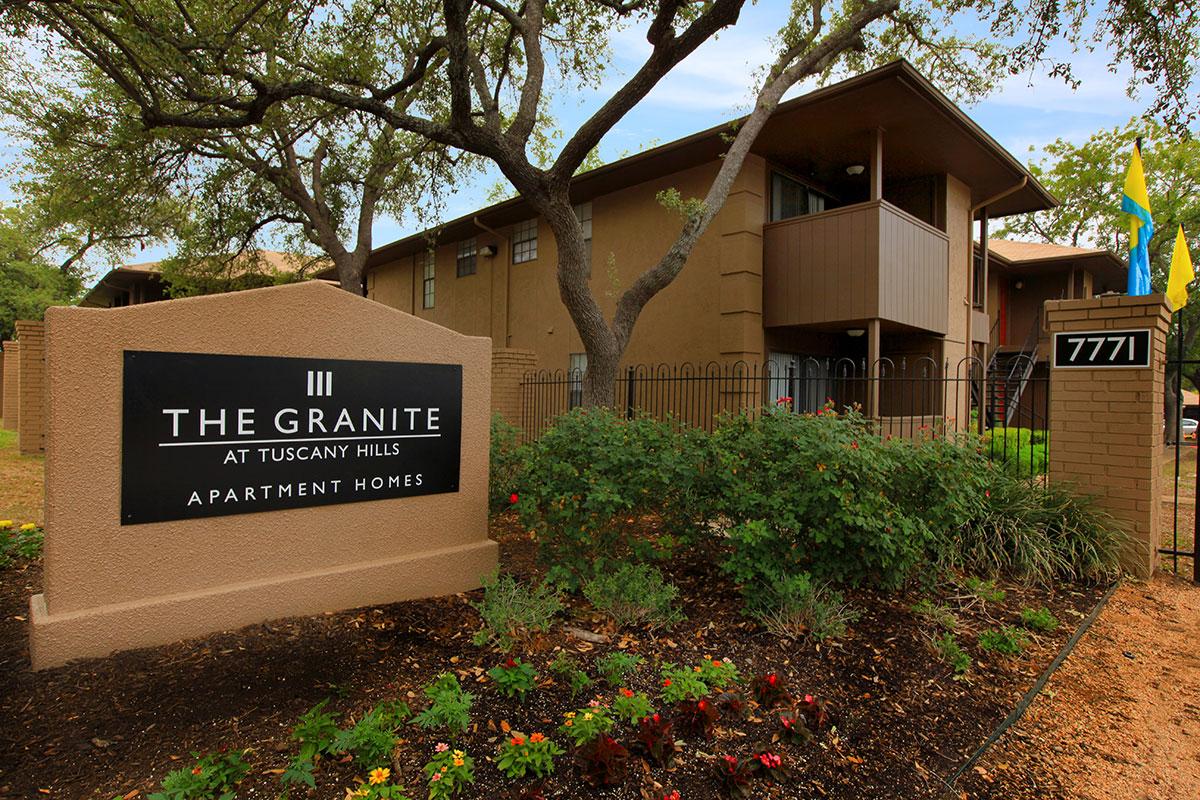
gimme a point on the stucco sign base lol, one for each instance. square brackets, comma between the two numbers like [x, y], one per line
[111, 587]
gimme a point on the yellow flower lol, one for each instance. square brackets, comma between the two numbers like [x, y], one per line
[459, 754]
[569, 714]
[458, 762]
[379, 775]
[820, 467]
[695, 669]
[29, 526]
[5, 523]
[587, 716]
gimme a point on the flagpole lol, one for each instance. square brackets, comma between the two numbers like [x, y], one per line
[1178, 434]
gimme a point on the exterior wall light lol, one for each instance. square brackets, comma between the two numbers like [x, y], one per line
[488, 251]
[1019, 285]
[855, 169]
[856, 332]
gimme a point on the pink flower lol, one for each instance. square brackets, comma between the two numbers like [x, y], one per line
[808, 698]
[442, 747]
[594, 704]
[437, 776]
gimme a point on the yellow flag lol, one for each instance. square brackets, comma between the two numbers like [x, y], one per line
[1181, 274]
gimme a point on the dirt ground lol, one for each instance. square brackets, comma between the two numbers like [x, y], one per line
[20, 482]
[1120, 720]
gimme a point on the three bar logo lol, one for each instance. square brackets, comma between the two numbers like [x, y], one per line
[320, 383]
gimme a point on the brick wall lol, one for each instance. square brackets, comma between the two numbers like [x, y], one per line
[12, 378]
[31, 411]
[2, 388]
[1106, 425]
[509, 366]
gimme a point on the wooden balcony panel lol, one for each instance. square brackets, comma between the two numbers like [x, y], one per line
[855, 263]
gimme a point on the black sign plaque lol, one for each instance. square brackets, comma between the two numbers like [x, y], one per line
[210, 435]
[1102, 349]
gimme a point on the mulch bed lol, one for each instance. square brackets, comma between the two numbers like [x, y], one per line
[114, 727]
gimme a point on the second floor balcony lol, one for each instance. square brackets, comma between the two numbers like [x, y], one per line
[859, 262]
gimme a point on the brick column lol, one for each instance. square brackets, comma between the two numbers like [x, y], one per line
[2, 388]
[509, 366]
[31, 411]
[12, 379]
[1106, 425]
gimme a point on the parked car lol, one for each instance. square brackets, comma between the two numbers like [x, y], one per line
[1188, 427]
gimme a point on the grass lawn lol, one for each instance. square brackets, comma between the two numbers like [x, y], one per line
[21, 482]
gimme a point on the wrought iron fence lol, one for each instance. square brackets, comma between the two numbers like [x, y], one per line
[904, 397]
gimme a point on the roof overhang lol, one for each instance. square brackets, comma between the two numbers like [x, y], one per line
[116, 280]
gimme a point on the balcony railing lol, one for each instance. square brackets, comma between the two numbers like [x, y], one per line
[859, 262]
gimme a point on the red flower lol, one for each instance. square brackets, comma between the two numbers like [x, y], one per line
[769, 760]
[672, 796]
[731, 761]
[987, 492]
[772, 678]
[702, 705]
[808, 698]
[666, 681]
[510, 663]
[512, 498]
[627, 692]
[854, 444]
[517, 741]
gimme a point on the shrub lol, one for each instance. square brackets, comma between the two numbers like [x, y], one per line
[1008, 641]
[214, 777]
[505, 464]
[983, 589]
[616, 666]
[449, 706]
[449, 772]
[521, 755]
[1021, 451]
[696, 718]
[770, 691]
[734, 776]
[591, 477]
[947, 649]
[634, 594]
[569, 671]
[23, 541]
[1037, 533]
[514, 678]
[1040, 620]
[512, 611]
[682, 683]
[791, 607]
[631, 706]
[372, 739]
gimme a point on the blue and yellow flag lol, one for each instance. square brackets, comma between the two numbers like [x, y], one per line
[1182, 272]
[1136, 203]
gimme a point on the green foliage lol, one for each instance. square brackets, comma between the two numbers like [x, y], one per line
[449, 706]
[630, 706]
[377, 786]
[29, 284]
[214, 777]
[822, 494]
[586, 724]
[317, 732]
[983, 589]
[372, 739]
[634, 594]
[949, 651]
[1023, 452]
[505, 464]
[1037, 533]
[511, 610]
[936, 614]
[1007, 640]
[449, 772]
[23, 541]
[1039, 619]
[682, 683]
[566, 669]
[521, 755]
[514, 678]
[793, 606]
[591, 478]
[614, 667]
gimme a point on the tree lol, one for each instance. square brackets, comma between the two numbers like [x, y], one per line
[1089, 177]
[28, 282]
[213, 66]
[310, 174]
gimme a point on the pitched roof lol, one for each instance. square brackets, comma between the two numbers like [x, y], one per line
[1015, 251]
[925, 133]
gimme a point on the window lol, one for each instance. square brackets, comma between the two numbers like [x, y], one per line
[978, 280]
[583, 213]
[426, 262]
[575, 373]
[790, 198]
[465, 263]
[524, 241]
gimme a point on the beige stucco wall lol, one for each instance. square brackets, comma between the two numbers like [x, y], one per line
[109, 587]
[712, 311]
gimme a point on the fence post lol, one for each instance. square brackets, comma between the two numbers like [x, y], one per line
[629, 393]
[1106, 420]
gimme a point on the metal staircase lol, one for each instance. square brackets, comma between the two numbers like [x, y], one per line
[1008, 374]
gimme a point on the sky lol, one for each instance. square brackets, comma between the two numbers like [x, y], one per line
[715, 84]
